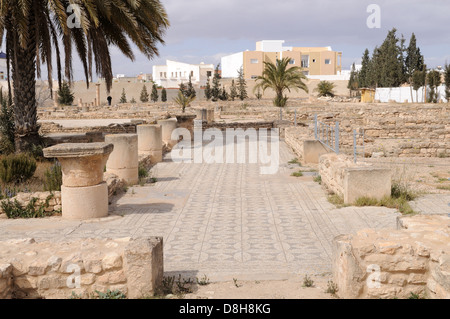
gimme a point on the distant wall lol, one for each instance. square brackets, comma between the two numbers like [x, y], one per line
[402, 94]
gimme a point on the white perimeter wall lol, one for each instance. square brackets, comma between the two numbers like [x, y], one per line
[402, 94]
[231, 64]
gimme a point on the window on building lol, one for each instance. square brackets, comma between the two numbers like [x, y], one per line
[254, 61]
[254, 77]
[160, 74]
[208, 73]
[327, 61]
[292, 61]
[165, 74]
[314, 60]
[306, 73]
[305, 61]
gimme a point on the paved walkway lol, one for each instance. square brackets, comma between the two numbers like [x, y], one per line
[224, 220]
[432, 204]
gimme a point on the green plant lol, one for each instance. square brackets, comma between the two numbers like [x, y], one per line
[318, 179]
[295, 161]
[332, 288]
[7, 126]
[241, 85]
[445, 188]
[235, 281]
[204, 281]
[297, 174]
[280, 78]
[133, 101]
[164, 95]
[443, 155]
[53, 178]
[123, 97]
[336, 200]
[14, 210]
[308, 282]
[415, 296]
[65, 95]
[17, 168]
[325, 88]
[399, 190]
[154, 96]
[142, 172]
[183, 101]
[366, 201]
[115, 294]
[144, 95]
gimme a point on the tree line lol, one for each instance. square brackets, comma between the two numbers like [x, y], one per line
[393, 64]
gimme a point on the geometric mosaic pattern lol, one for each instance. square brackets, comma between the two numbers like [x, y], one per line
[224, 220]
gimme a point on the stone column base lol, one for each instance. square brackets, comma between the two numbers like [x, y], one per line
[128, 175]
[84, 202]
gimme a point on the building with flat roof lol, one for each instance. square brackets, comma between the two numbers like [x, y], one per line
[315, 61]
[174, 73]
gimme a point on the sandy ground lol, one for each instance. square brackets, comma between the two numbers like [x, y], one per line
[421, 174]
[286, 289]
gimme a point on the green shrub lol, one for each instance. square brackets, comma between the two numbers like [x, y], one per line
[14, 210]
[53, 178]
[110, 294]
[325, 88]
[366, 201]
[318, 179]
[142, 172]
[17, 168]
[297, 174]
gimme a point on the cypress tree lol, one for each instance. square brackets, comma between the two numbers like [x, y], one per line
[154, 95]
[190, 91]
[164, 95]
[242, 85]
[414, 61]
[215, 91]
[418, 81]
[123, 98]
[144, 95]
[183, 89]
[354, 79]
[208, 92]
[363, 73]
[65, 96]
[233, 90]
[447, 82]
[434, 80]
[224, 95]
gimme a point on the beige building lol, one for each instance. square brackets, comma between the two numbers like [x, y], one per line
[315, 61]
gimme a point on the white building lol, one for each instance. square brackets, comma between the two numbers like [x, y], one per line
[174, 73]
[3, 68]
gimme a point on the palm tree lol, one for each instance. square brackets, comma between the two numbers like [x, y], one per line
[280, 77]
[34, 29]
[183, 101]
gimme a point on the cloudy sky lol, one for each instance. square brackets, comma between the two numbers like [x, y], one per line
[206, 30]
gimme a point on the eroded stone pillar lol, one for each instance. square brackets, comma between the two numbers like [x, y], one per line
[124, 161]
[167, 127]
[84, 194]
[150, 141]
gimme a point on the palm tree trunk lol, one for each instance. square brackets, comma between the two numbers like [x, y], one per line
[24, 84]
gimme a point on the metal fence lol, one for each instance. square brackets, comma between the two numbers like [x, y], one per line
[327, 135]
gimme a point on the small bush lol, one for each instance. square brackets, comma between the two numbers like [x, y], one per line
[204, 281]
[336, 200]
[297, 174]
[14, 210]
[318, 179]
[366, 201]
[110, 294]
[308, 282]
[53, 178]
[402, 191]
[17, 168]
[332, 288]
[325, 88]
[142, 172]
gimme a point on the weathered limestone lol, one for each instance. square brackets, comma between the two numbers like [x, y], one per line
[97, 100]
[167, 127]
[124, 160]
[51, 201]
[205, 115]
[55, 270]
[84, 194]
[150, 141]
[352, 181]
[312, 150]
[394, 264]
